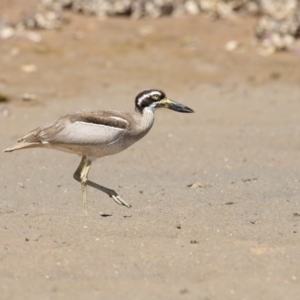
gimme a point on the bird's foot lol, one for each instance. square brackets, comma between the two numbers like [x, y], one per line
[111, 193]
[119, 200]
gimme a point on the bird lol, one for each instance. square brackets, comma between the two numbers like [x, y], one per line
[94, 134]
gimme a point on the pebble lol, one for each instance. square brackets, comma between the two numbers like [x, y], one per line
[192, 7]
[6, 33]
[5, 112]
[28, 97]
[30, 68]
[232, 45]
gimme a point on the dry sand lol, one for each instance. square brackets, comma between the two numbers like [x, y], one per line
[233, 235]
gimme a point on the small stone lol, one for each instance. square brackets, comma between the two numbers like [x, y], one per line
[5, 112]
[197, 184]
[232, 45]
[229, 203]
[6, 33]
[28, 97]
[3, 98]
[191, 7]
[30, 68]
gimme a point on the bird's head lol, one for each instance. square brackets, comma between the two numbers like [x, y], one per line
[152, 99]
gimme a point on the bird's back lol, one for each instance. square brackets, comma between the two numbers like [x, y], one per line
[92, 133]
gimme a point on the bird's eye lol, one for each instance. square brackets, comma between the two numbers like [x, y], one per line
[154, 97]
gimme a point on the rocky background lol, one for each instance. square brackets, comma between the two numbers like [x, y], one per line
[277, 27]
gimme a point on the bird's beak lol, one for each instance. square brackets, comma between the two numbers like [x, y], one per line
[167, 103]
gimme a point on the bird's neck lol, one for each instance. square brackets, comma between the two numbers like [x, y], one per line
[144, 119]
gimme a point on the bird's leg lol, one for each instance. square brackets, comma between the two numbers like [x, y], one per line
[109, 192]
[81, 175]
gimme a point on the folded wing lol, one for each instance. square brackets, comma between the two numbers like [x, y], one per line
[84, 128]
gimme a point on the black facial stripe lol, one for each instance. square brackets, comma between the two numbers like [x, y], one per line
[144, 99]
[147, 102]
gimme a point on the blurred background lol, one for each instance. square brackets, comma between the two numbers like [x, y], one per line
[143, 43]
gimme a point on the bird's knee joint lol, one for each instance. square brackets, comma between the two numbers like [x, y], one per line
[77, 177]
[83, 180]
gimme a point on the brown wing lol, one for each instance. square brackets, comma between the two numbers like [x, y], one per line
[81, 128]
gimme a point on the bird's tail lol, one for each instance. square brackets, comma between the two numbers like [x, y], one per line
[21, 145]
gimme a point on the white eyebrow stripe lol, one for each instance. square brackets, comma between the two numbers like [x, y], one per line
[154, 92]
[147, 95]
[142, 98]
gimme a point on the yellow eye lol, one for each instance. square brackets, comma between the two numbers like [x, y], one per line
[154, 97]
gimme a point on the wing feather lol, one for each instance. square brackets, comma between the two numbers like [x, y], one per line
[81, 128]
[82, 133]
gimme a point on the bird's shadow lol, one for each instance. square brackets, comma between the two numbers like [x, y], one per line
[104, 215]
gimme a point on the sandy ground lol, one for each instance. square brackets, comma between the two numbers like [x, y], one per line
[233, 235]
